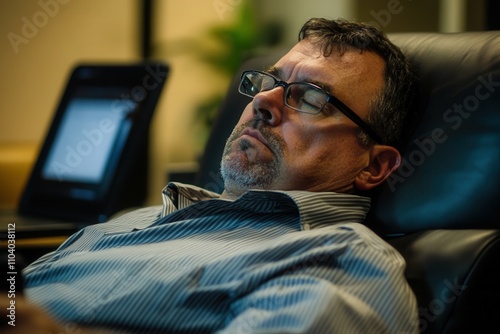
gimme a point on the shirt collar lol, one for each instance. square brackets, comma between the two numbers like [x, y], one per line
[316, 209]
[176, 196]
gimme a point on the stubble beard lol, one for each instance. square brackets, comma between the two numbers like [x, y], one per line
[240, 175]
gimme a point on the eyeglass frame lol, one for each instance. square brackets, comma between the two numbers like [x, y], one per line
[344, 109]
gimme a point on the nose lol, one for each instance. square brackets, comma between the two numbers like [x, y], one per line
[269, 105]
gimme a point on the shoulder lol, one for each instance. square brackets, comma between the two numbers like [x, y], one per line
[359, 241]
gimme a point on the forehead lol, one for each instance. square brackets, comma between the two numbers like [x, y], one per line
[356, 77]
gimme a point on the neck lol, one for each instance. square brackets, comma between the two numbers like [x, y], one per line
[231, 195]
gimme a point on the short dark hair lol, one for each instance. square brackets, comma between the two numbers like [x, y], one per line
[391, 111]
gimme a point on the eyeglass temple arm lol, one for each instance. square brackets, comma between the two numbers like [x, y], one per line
[353, 117]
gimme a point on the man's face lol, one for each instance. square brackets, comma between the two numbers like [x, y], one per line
[276, 147]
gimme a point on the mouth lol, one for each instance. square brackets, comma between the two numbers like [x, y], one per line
[255, 134]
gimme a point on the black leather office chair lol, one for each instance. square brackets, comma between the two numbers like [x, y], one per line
[441, 209]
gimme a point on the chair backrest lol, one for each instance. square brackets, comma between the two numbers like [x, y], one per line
[449, 177]
[444, 198]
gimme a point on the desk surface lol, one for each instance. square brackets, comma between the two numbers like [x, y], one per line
[37, 242]
[26, 251]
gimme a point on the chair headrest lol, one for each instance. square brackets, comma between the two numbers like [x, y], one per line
[449, 177]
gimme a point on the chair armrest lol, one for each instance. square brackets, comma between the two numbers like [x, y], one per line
[455, 276]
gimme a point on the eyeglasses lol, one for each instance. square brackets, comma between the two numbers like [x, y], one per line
[300, 96]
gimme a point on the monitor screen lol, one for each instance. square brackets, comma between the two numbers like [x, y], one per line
[92, 131]
[94, 159]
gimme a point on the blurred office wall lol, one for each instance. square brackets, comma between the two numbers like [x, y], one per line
[41, 40]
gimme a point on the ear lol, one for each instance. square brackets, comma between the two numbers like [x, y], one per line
[383, 161]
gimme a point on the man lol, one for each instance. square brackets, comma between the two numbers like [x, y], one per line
[283, 248]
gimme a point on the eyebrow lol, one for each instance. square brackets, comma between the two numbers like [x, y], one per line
[277, 72]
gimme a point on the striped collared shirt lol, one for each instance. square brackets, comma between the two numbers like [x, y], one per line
[268, 262]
